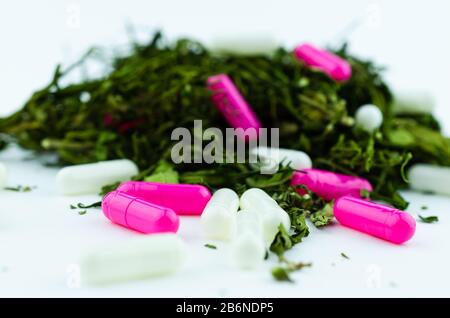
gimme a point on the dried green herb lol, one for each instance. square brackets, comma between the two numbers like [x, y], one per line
[131, 111]
[83, 207]
[282, 273]
[211, 246]
[428, 219]
[20, 188]
[89, 206]
[324, 216]
[345, 256]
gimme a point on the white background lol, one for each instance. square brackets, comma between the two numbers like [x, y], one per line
[40, 236]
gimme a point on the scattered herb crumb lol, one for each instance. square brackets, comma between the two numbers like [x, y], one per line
[20, 188]
[211, 246]
[428, 219]
[424, 207]
[345, 256]
[84, 207]
[365, 194]
[323, 217]
[282, 273]
[89, 206]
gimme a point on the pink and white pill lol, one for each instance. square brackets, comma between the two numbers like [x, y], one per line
[184, 199]
[234, 107]
[139, 215]
[330, 185]
[334, 66]
[375, 219]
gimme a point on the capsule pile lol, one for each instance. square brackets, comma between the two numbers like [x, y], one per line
[251, 222]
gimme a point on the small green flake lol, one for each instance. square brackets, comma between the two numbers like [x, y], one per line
[20, 188]
[345, 256]
[281, 274]
[428, 219]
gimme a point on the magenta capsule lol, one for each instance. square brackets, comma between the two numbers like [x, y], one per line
[184, 199]
[329, 63]
[139, 215]
[375, 219]
[233, 106]
[330, 185]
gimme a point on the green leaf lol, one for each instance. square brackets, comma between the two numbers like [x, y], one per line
[282, 241]
[164, 173]
[281, 274]
[324, 216]
[428, 219]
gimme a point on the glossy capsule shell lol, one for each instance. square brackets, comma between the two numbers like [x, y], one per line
[329, 63]
[413, 102]
[368, 117]
[139, 215]
[295, 159]
[137, 258]
[375, 219]
[244, 44]
[330, 185]
[270, 213]
[235, 109]
[429, 178]
[184, 199]
[248, 246]
[90, 178]
[219, 217]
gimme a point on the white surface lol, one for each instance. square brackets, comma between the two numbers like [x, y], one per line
[41, 240]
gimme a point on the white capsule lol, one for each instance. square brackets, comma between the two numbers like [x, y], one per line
[244, 44]
[90, 178]
[272, 215]
[272, 157]
[219, 216]
[413, 102]
[3, 175]
[248, 247]
[369, 118]
[138, 258]
[429, 178]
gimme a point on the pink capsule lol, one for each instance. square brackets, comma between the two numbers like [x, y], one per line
[375, 219]
[330, 185]
[184, 199]
[233, 106]
[329, 63]
[139, 215]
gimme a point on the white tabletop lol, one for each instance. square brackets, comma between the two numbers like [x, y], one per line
[42, 239]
